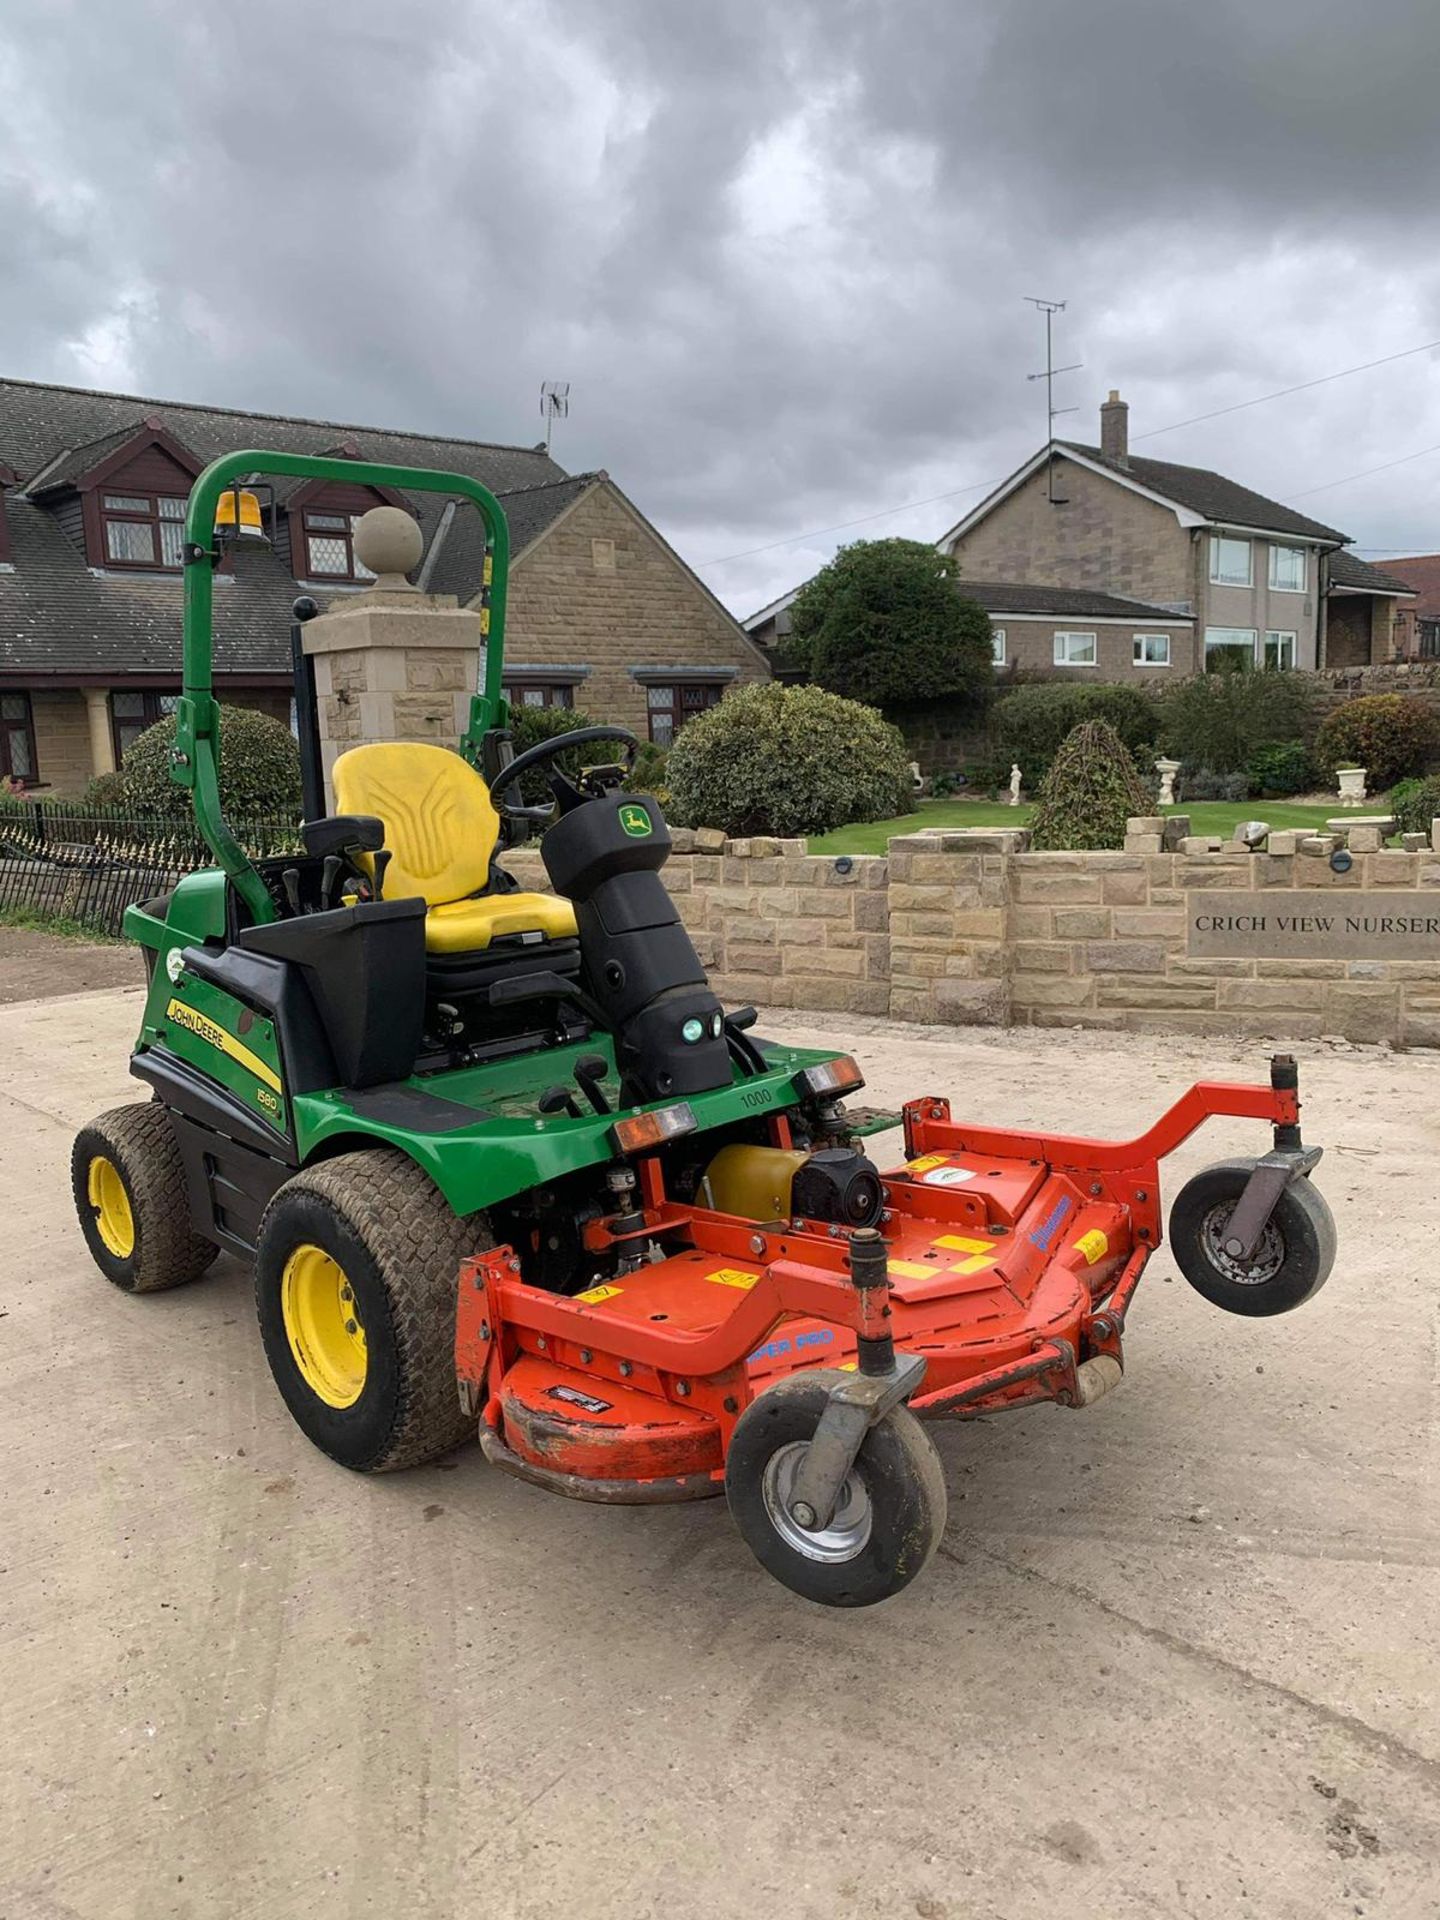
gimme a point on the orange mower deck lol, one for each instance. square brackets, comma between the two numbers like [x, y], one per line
[1010, 1261]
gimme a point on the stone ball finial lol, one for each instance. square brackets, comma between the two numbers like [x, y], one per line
[388, 541]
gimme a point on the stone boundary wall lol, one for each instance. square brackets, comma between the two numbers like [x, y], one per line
[973, 928]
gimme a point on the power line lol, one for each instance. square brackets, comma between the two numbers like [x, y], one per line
[1366, 474]
[1281, 393]
[977, 486]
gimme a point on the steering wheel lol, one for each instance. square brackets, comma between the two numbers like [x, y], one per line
[545, 750]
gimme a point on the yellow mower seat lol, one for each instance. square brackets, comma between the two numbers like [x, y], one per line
[441, 829]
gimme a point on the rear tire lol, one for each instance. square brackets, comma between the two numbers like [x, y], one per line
[891, 1512]
[356, 1280]
[1288, 1267]
[134, 1206]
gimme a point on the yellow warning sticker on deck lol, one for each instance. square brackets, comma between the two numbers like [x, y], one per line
[733, 1277]
[924, 1165]
[963, 1243]
[1094, 1245]
[975, 1264]
[912, 1270]
[597, 1294]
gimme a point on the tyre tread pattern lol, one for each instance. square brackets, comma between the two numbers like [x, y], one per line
[417, 1242]
[140, 1140]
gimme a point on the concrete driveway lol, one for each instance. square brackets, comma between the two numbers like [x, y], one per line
[1180, 1655]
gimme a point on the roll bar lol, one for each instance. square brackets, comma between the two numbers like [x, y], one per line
[195, 757]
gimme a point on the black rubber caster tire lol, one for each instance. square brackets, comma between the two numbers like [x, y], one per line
[134, 1207]
[890, 1518]
[1291, 1263]
[390, 1237]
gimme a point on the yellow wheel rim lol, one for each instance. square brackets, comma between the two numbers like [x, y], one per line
[322, 1324]
[110, 1203]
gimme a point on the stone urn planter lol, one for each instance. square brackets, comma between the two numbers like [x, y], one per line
[1352, 786]
[1167, 770]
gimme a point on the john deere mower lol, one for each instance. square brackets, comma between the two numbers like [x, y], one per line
[505, 1166]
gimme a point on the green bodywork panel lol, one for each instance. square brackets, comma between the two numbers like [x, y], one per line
[505, 1149]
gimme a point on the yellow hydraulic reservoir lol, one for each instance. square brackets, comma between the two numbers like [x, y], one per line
[752, 1182]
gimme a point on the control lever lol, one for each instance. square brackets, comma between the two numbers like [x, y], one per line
[589, 1070]
[377, 884]
[290, 881]
[329, 880]
[559, 1100]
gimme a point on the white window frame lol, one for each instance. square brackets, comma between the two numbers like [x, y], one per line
[1218, 578]
[1279, 586]
[1232, 637]
[997, 646]
[1062, 655]
[1141, 644]
[1280, 635]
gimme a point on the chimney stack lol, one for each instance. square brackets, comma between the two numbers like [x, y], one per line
[1115, 429]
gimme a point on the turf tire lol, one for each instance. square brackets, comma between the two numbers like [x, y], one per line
[1298, 1246]
[897, 1466]
[139, 1142]
[400, 1245]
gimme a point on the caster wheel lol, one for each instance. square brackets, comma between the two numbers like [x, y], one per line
[129, 1185]
[1291, 1263]
[891, 1511]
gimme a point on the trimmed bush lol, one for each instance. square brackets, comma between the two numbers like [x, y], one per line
[529, 726]
[883, 623]
[1032, 721]
[105, 790]
[1221, 720]
[1391, 735]
[259, 768]
[1089, 793]
[1415, 804]
[787, 760]
[648, 775]
[1273, 772]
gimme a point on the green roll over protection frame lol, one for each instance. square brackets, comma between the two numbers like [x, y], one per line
[195, 758]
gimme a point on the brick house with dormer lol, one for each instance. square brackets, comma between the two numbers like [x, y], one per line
[604, 614]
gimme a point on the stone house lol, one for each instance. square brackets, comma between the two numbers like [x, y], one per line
[604, 614]
[1259, 581]
[1419, 636]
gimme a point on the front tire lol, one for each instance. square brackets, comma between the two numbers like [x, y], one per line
[891, 1511]
[1288, 1267]
[134, 1206]
[356, 1280]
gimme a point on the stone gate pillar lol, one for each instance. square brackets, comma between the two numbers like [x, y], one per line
[392, 663]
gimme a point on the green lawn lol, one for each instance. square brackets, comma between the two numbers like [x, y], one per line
[1206, 816]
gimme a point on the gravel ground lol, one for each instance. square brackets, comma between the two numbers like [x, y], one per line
[1179, 1655]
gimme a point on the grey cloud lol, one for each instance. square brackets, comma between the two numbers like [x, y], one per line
[778, 247]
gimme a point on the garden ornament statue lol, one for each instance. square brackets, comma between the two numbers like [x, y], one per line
[1167, 770]
[1352, 786]
[1014, 784]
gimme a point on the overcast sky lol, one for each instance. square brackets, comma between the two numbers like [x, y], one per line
[780, 248]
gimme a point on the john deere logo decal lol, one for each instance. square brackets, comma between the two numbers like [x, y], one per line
[635, 821]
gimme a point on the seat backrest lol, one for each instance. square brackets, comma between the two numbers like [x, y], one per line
[440, 826]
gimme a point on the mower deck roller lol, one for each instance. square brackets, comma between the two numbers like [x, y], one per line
[505, 1166]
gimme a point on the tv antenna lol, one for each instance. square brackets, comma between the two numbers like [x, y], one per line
[1052, 413]
[554, 404]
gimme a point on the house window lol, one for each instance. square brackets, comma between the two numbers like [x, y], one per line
[549, 694]
[1429, 631]
[1152, 649]
[330, 547]
[1229, 561]
[997, 645]
[1287, 569]
[671, 706]
[131, 712]
[1229, 647]
[1279, 649]
[1075, 650]
[17, 738]
[143, 529]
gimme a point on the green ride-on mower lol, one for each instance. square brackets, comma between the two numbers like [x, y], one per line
[506, 1168]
